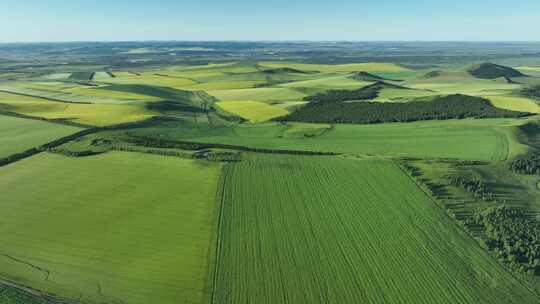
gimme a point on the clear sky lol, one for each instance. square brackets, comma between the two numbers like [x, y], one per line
[115, 20]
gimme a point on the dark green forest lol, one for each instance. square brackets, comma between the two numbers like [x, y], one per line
[446, 107]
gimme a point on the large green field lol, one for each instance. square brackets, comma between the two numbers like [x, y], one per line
[322, 230]
[18, 135]
[114, 228]
[472, 139]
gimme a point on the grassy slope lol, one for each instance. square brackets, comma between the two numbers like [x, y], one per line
[134, 227]
[316, 230]
[18, 135]
[486, 139]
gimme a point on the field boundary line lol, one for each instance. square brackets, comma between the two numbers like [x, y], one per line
[42, 97]
[36, 150]
[220, 199]
[55, 121]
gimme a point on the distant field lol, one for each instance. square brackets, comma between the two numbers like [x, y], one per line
[473, 139]
[253, 111]
[530, 70]
[72, 94]
[150, 79]
[259, 94]
[103, 92]
[333, 82]
[351, 67]
[18, 135]
[224, 85]
[114, 228]
[476, 87]
[314, 230]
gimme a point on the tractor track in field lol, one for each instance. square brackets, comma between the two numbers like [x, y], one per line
[20, 261]
[220, 199]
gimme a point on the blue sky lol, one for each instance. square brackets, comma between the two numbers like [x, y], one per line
[112, 20]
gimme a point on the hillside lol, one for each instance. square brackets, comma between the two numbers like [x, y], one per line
[492, 71]
[365, 93]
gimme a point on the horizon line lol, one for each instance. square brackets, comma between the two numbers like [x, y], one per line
[268, 41]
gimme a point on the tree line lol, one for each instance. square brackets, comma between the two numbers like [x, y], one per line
[532, 91]
[190, 145]
[478, 188]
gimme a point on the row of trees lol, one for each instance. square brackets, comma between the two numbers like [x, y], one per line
[189, 145]
[514, 238]
[526, 164]
[478, 188]
[446, 107]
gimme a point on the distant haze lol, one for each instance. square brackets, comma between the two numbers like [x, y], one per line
[397, 20]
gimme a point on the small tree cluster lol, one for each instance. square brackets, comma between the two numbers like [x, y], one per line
[514, 238]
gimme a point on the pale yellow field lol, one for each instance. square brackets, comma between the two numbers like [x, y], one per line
[253, 111]
[515, 103]
[529, 68]
[58, 76]
[101, 75]
[91, 114]
[101, 92]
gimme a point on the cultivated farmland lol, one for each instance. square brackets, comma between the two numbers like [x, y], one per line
[113, 228]
[269, 172]
[312, 230]
[18, 134]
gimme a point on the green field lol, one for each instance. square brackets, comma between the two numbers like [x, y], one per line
[114, 228]
[471, 139]
[18, 135]
[315, 230]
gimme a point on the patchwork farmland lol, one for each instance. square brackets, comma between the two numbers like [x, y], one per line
[261, 173]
